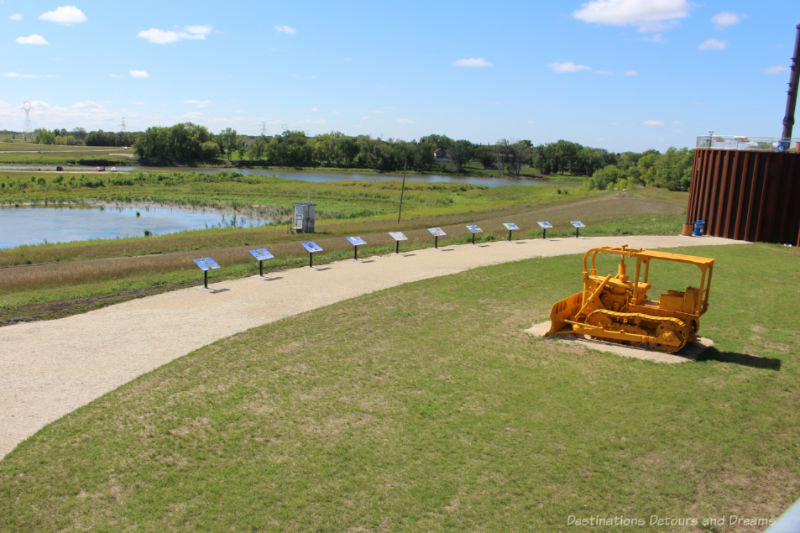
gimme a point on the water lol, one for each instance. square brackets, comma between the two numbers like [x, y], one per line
[319, 177]
[37, 225]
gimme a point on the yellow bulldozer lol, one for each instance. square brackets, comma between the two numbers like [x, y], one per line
[616, 308]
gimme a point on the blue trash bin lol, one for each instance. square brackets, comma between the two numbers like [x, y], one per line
[699, 227]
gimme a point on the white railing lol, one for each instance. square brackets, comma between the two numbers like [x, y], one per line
[740, 142]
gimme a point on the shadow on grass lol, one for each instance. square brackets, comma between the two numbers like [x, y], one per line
[712, 354]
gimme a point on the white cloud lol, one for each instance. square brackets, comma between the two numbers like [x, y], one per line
[288, 30]
[16, 17]
[724, 19]
[198, 103]
[776, 69]
[156, 36]
[654, 38]
[33, 38]
[472, 62]
[567, 66]
[604, 72]
[314, 109]
[646, 16]
[24, 76]
[405, 121]
[712, 44]
[631, 73]
[139, 73]
[64, 15]
[652, 123]
[196, 32]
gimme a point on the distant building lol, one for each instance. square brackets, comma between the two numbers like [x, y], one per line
[440, 155]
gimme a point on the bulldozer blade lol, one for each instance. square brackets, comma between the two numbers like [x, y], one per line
[563, 311]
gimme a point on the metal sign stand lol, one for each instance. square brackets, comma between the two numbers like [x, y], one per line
[544, 225]
[437, 232]
[474, 229]
[398, 236]
[205, 264]
[356, 241]
[510, 226]
[261, 254]
[577, 224]
[312, 248]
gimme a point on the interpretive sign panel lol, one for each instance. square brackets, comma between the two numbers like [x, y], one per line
[356, 241]
[205, 264]
[210, 262]
[261, 254]
[398, 235]
[437, 232]
[474, 229]
[202, 264]
[544, 224]
[577, 224]
[510, 226]
[312, 247]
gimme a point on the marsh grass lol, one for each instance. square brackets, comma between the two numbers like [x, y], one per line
[425, 407]
[107, 271]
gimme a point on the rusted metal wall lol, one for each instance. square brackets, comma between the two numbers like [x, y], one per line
[747, 195]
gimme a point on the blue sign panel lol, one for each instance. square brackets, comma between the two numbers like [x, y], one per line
[312, 247]
[398, 235]
[437, 232]
[577, 224]
[510, 226]
[356, 241]
[474, 229]
[210, 262]
[544, 224]
[261, 254]
[206, 263]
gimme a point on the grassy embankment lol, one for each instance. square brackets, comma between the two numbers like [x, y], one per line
[47, 281]
[425, 407]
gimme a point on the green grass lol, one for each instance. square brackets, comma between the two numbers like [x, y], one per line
[53, 280]
[425, 407]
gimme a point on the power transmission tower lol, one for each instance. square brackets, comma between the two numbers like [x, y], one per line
[27, 129]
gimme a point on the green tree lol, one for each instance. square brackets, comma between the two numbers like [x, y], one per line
[43, 136]
[461, 153]
[228, 141]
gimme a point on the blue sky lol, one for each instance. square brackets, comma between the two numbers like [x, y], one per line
[614, 74]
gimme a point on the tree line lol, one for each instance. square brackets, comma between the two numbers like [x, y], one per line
[191, 144]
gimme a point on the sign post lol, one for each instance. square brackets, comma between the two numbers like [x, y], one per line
[398, 236]
[577, 224]
[261, 254]
[205, 264]
[545, 225]
[312, 248]
[437, 232]
[356, 241]
[510, 226]
[474, 229]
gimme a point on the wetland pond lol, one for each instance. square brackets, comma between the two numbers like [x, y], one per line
[39, 225]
